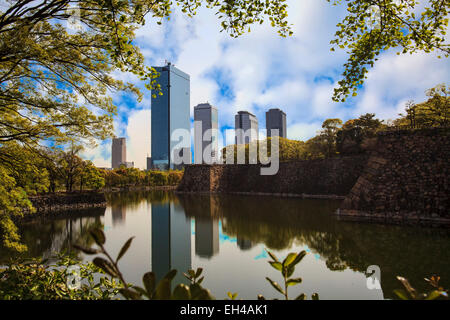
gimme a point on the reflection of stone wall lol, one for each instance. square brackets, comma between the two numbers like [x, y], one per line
[406, 177]
[327, 177]
[64, 201]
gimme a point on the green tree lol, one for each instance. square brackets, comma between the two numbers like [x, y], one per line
[13, 200]
[91, 176]
[56, 83]
[432, 113]
[354, 131]
[373, 27]
[328, 134]
[70, 167]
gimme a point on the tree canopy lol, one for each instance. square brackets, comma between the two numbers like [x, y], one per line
[375, 26]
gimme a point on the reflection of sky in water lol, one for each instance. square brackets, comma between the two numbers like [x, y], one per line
[262, 255]
[223, 237]
[334, 266]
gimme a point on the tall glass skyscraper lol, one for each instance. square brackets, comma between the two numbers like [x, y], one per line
[170, 112]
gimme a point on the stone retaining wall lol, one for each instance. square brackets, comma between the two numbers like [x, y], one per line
[325, 178]
[65, 201]
[406, 178]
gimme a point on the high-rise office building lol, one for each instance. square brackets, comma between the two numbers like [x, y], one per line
[205, 133]
[276, 119]
[170, 111]
[118, 152]
[246, 126]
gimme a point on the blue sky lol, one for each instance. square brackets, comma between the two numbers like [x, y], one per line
[261, 70]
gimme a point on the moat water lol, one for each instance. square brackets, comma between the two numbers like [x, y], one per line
[227, 235]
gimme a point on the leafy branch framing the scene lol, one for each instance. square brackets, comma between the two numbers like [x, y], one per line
[401, 24]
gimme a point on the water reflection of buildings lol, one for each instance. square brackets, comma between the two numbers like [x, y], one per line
[171, 240]
[206, 237]
[244, 244]
[206, 213]
[118, 214]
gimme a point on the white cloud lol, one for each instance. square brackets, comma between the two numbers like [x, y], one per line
[261, 70]
[138, 137]
[303, 131]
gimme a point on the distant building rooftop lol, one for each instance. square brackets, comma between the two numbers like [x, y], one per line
[206, 105]
[246, 112]
[277, 109]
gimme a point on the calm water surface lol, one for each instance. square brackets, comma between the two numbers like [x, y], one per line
[227, 235]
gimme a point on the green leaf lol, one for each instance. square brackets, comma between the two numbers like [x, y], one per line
[275, 285]
[301, 296]
[199, 272]
[170, 275]
[298, 258]
[191, 274]
[401, 294]
[289, 259]
[433, 295]
[124, 248]
[130, 294]
[232, 296]
[293, 282]
[315, 296]
[274, 258]
[200, 293]
[181, 292]
[98, 235]
[86, 250]
[276, 265]
[141, 291]
[287, 272]
[149, 283]
[105, 266]
[163, 290]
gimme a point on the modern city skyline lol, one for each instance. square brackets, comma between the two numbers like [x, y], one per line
[118, 152]
[169, 112]
[205, 121]
[276, 119]
[246, 127]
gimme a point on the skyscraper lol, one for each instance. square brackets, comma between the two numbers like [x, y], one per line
[276, 119]
[118, 152]
[170, 112]
[246, 125]
[205, 118]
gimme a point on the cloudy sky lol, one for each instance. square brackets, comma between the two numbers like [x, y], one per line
[261, 70]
